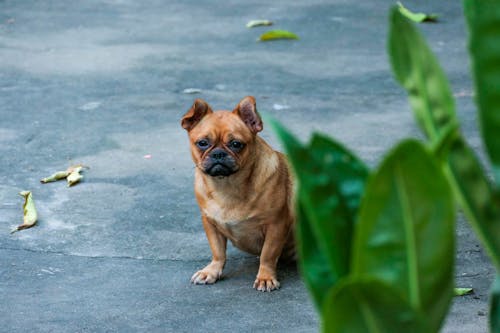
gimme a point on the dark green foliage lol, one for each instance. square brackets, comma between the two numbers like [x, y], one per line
[405, 233]
[361, 305]
[417, 70]
[377, 250]
[483, 18]
[331, 182]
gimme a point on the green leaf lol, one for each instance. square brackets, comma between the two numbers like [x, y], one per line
[258, 23]
[495, 306]
[367, 305]
[277, 34]
[462, 291]
[417, 70]
[483, 18]
[346, 170]
[417, 17]
[405, 231]
[475, 195]
[313, 263]
[330, 184]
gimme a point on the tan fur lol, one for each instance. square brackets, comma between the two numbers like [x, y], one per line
[252, 207]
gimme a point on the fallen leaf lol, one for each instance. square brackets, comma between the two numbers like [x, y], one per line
[59, 175]
[74, 176]
[417, 17]
[29, 212]
[277, 34]
[191, 91]
[258, 23]
[55, 177]
[462, 291]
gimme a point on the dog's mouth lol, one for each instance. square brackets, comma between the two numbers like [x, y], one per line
[219, 170]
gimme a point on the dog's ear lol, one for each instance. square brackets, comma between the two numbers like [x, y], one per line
[247, 111]
[199, 110]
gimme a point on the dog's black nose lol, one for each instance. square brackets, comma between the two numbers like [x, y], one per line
[218, 154]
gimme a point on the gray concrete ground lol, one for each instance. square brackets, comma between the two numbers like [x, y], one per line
[101, 83]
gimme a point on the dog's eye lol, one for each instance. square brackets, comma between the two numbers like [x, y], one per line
[236, 145]
[203, 144]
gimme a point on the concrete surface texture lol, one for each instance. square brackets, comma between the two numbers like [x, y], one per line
[101, 83]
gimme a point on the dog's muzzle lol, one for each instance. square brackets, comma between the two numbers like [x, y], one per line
[219, 163]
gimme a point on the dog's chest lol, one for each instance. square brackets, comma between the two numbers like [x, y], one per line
[218, 213]
[230, 218]
[237, 224]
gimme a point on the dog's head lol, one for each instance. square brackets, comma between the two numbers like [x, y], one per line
[222, 142]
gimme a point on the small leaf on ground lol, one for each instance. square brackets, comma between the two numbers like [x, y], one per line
[417, 17]
[55, 177]
[258, 23]
[72, 175]
[29, 212]
[191, 91]
[462, 291]
[277, 34]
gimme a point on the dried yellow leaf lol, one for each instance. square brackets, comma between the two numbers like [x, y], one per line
[29, 212]
[55, 177]
[74, 177]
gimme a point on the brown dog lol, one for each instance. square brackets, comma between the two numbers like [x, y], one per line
[243, 188]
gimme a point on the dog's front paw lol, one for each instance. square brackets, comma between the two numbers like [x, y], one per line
[266, 284]
[266, 279]
[207, 275]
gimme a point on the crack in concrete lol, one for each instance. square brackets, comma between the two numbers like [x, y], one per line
[234, 259]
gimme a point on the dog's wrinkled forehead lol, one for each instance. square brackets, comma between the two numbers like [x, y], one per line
[221, 125]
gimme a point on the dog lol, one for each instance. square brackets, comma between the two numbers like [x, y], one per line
[243, 187]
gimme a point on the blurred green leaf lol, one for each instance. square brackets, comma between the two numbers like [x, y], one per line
[330, 184]
[495, 306]
[277, 34]
[462, 291]
[313, 263]
[344, 168]
[405, 231]
[365, 305]
[417, 17]
[483, 18]
[475, 195]
[417, 70]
